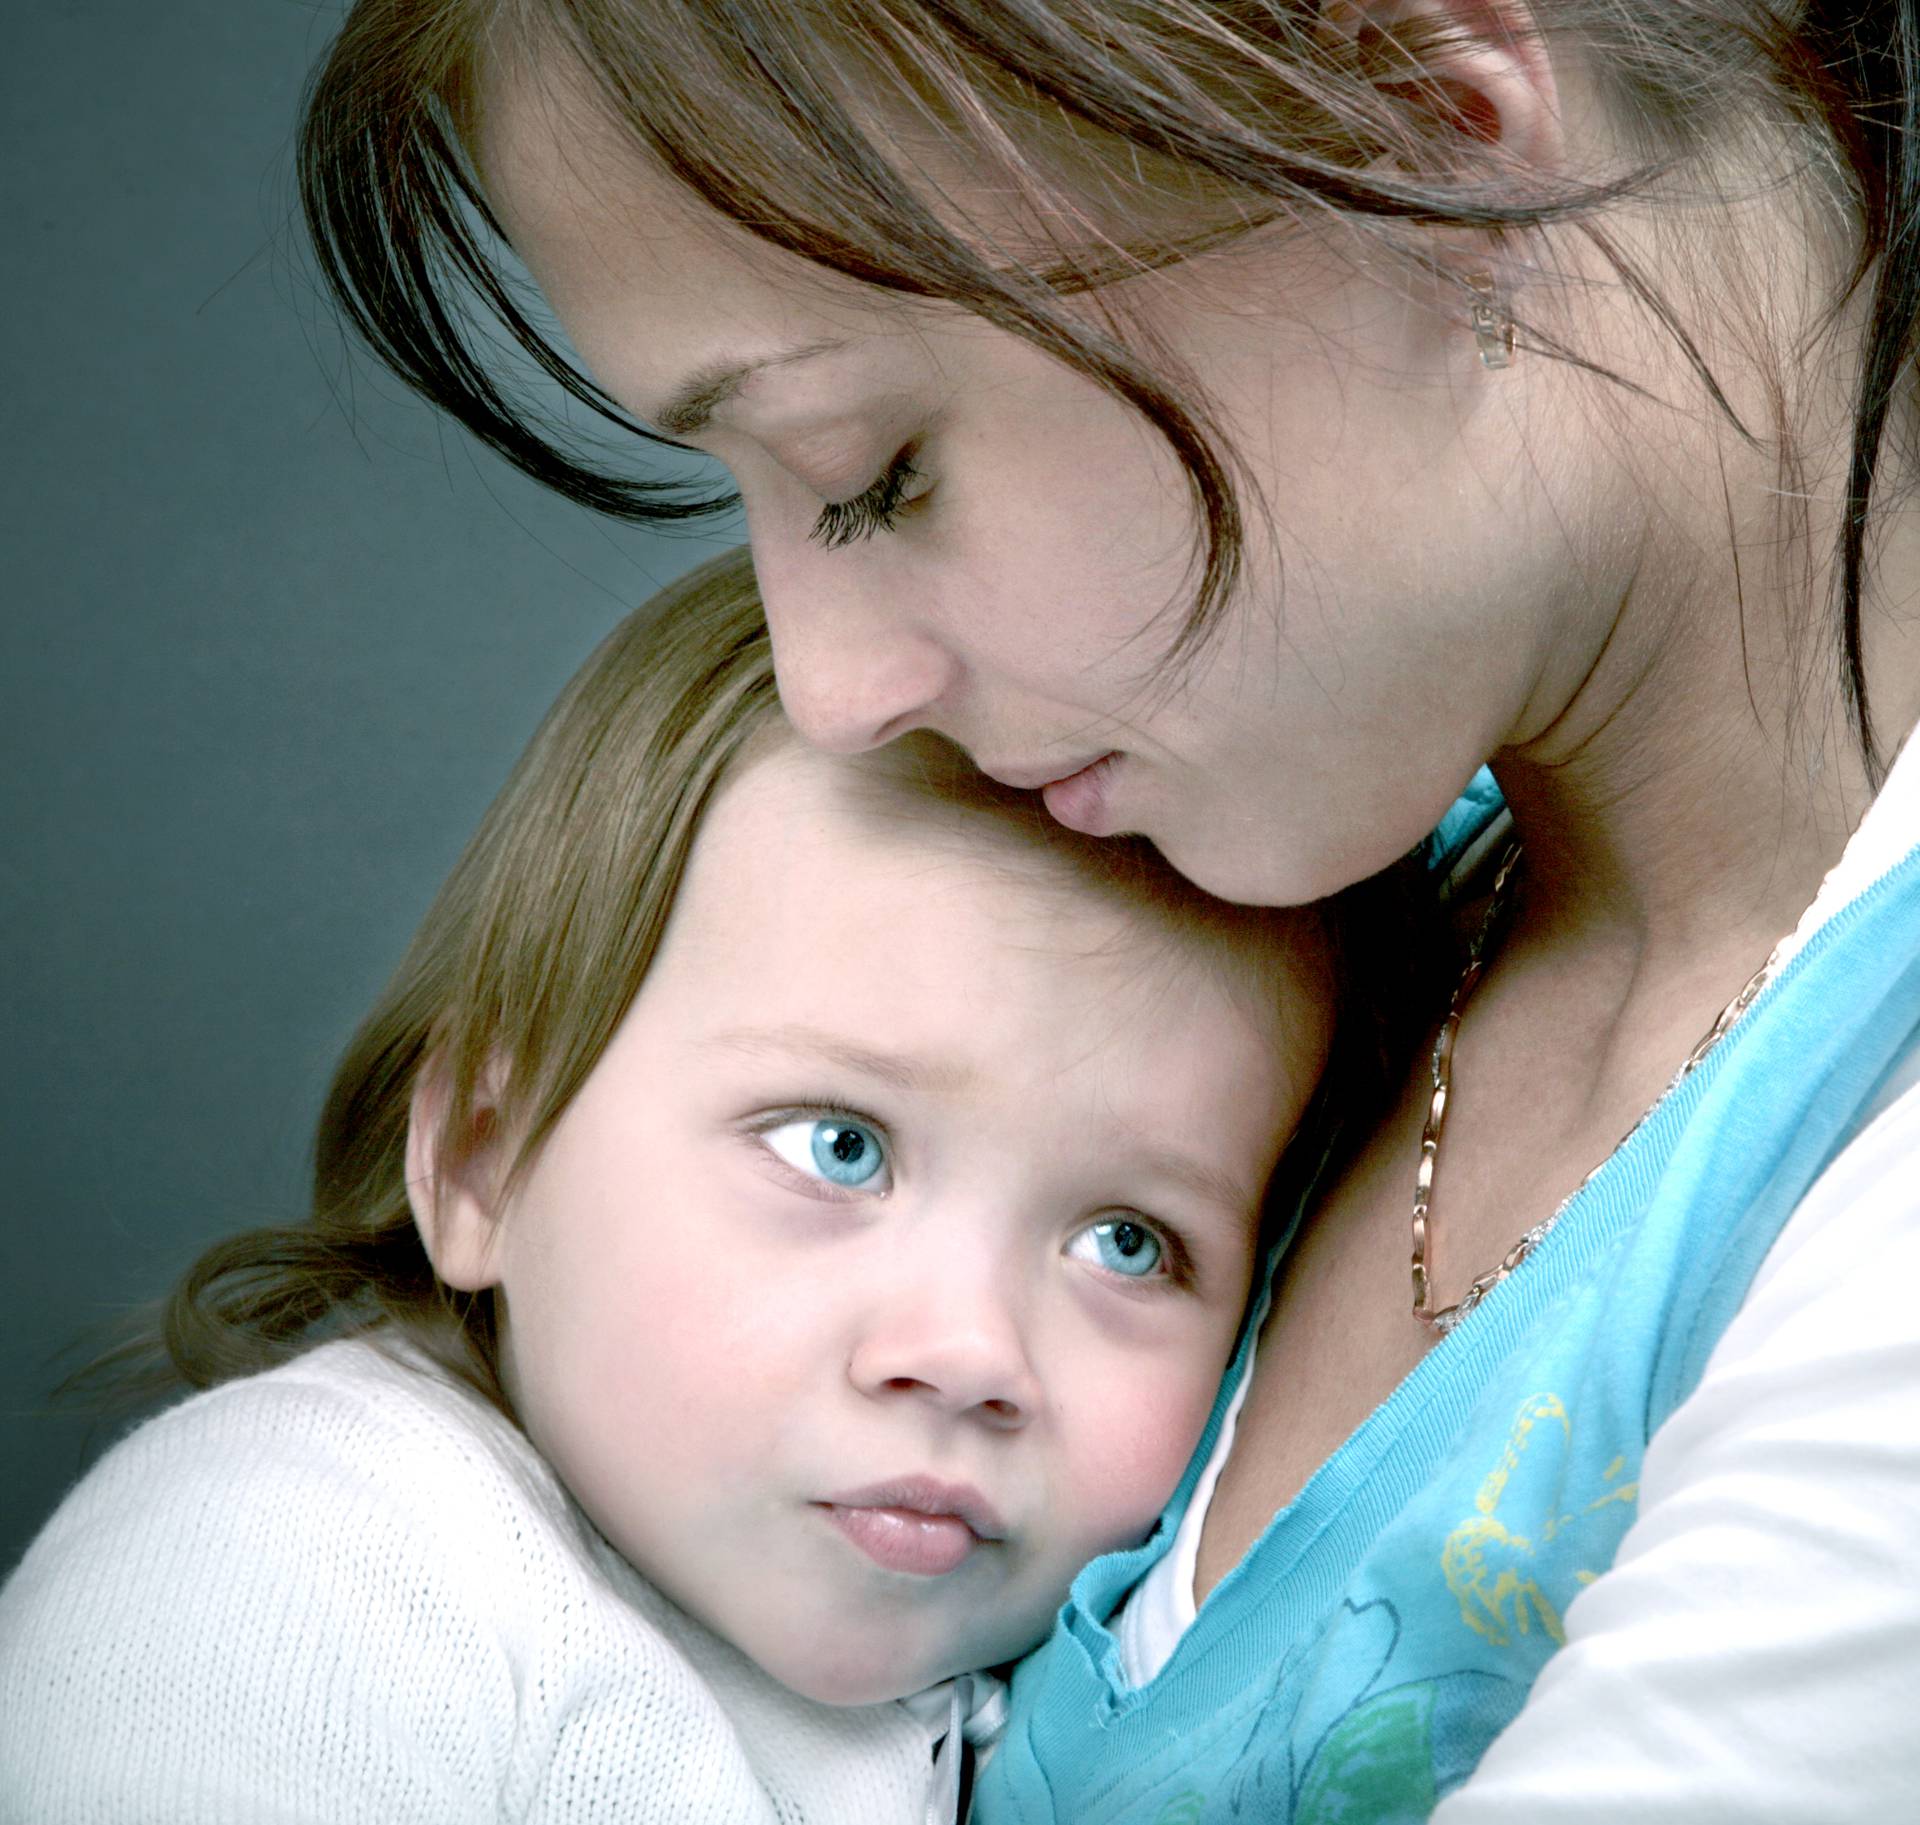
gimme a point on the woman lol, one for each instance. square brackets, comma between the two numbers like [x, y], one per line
[1240, 422]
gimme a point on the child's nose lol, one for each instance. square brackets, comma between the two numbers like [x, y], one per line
[954, 1349]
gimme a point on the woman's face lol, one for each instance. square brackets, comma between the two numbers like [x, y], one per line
[954, 532]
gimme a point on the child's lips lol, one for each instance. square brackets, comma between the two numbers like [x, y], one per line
[915, 1524]
[904, 1540]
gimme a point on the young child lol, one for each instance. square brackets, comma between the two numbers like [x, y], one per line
[787, 1213]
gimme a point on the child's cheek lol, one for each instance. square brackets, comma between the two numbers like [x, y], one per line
[1125, 1470]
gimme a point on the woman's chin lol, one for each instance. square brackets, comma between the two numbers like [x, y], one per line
[1246, 871]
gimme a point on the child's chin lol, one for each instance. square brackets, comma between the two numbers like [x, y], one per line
[853, 1678]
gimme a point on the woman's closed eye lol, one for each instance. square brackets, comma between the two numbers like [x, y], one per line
[899, 488]
[835, 1148]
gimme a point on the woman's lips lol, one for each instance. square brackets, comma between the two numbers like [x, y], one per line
[915, 1524]
[1080, 800]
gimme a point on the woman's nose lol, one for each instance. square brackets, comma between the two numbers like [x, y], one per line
[962, 1353]
[854, 668]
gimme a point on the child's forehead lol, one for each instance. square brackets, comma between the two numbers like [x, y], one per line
[918, 815]
[789, 811]
[823, 919]
[918, 804]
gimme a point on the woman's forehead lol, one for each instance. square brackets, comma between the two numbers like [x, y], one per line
[677, 339]
[617, 247]
[671, 303]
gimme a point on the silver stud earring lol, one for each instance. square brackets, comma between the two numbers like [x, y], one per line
[1492, 327]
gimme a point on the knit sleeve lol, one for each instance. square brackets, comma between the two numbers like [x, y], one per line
[1753, 1655]
[239, 1618]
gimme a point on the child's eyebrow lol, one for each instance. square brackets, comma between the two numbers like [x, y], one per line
[1202, 1180]
[1199, 1178]
[900, 1069]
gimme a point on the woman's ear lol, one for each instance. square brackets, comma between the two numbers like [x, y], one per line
[1475, 68]
[455, 1192]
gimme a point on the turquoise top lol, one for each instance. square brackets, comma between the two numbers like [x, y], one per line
[1388, 1624]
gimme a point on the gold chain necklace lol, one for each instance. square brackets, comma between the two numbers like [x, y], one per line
[1479, 950]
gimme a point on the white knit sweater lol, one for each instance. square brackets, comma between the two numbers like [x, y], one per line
[349, 1591]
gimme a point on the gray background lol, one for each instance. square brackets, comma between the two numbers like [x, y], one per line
[269, 639]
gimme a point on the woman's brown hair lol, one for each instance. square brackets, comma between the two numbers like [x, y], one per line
[776, 114]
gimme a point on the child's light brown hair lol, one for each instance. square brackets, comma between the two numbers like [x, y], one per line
[532, 952]
[537, 944]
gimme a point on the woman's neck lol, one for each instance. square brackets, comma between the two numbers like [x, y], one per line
[1689, 769]
[1689, 794]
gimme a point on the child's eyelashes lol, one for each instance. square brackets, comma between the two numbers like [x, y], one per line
[899, 488]
[838, 1154]
[839, 1150]
[1130, 1248]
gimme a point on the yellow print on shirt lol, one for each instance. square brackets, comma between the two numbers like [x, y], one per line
[1489, 1569]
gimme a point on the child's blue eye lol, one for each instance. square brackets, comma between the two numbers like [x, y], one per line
[833, 1147]
[1121, 1247]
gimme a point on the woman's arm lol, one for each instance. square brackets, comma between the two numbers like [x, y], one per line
[1754, 1653]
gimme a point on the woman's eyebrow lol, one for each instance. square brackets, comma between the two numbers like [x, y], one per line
[900, 1069]
[690, 407]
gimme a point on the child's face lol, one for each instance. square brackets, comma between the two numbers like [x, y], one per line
[884, 1269]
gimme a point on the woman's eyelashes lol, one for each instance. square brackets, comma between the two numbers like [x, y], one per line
[875, 509]
[833, 1148]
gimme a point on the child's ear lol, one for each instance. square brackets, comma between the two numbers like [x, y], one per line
[455, 1194]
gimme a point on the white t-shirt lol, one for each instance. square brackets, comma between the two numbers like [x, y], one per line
[349, 1592]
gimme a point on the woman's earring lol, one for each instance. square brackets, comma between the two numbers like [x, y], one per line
[1492, 327]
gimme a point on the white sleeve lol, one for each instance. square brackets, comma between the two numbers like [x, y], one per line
[1753, 1655]
[228, 1623]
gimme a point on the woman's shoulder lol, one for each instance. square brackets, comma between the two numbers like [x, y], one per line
[1763, 1602]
